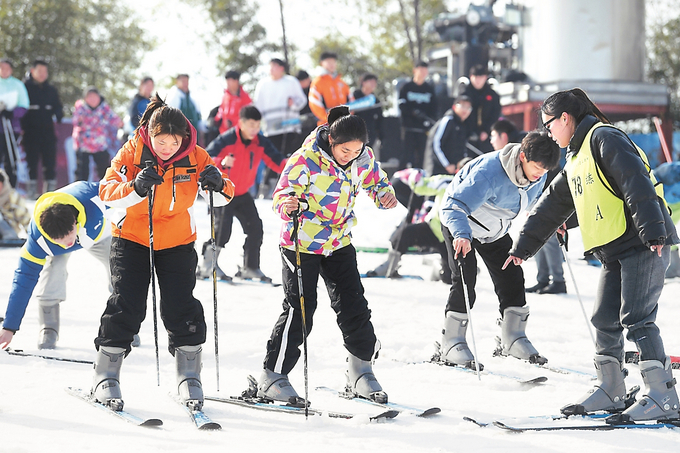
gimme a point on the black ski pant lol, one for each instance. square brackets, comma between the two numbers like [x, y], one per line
[407, 198]
[508, 283]
[102, 159]
[41, 143]
[346, 292]
[243, 208]
[419, 235]
[414, 148]
[182, 314]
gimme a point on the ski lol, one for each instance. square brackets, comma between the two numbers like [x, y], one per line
[200, 419]
[266, 404]
[12, 242]
[411, 250]
[418, 412]
[544, 366]
[436, 359]
[593, 416]
[243, 281]
[406, 276]
[634, 357]
[589, 426]
[21, 353]
[128, 417]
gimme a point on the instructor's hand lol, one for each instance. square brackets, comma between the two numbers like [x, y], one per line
[461, 245]
[5, 338]
[146, 179]
[388, 201]
[211, 179]
[512, 259]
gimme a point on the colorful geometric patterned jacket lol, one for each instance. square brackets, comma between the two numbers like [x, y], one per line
[312, 174]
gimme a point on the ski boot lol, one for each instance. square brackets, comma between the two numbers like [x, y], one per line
[513, 340]
[189, 388]
[608, 394]
[204, 269]
[391, 265]
[106, 382]
[361, 381]
[247, 273]
[454, 350]
[50, 185]
[32, 189]
[278, 388]
[48, 318]
[674, 268]
[659, 400]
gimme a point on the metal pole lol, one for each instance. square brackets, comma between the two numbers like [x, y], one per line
[469, 313]
[214, 279]
[153, 277]
[296, 228]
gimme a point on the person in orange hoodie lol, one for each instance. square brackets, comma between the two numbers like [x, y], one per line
[328, 90]
[161, 161]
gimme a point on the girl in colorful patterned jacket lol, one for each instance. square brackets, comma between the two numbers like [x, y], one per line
[320, 183]
[94, 133]
[161, 161]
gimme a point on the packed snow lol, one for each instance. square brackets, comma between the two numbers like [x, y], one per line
[36, 414]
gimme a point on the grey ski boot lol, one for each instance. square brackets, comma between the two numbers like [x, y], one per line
[389, 268]
[674, 268]
[204, 269]
[106, 382]
[361, 381]
[454, 349]
[277, 387]
[513, 340]
[48, 318]
[32, 189]
[660, 398]
[247, 273]
[608, 394]
[189, 388]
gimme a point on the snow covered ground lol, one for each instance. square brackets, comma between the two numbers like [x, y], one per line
[36, 414]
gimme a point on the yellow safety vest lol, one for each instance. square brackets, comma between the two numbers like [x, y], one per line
[599, 210]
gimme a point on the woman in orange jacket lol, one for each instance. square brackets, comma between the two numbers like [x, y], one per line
[162, 161]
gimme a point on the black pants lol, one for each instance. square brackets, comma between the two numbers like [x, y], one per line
[243, 208]
[346, 292]
[101, 159]
[6, 161]
[414, 148]
[407, 197]
[508, 283]
[182, 314]
[419, 235]
[37, 143]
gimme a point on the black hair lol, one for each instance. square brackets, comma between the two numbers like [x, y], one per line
[540, 148]
[280, 62]
[2, 176]
[462, 98]
[422, 64]
[344, 127]
[182, 75]
[58, 219]
[479, 69]
[249, 112]
[145, 79]
[232, 75]
[327, 55]
[8, 61]
[302, 75]
[575, 102]
[39, 62]
[504, 126]
[366, 77]
[160, 119]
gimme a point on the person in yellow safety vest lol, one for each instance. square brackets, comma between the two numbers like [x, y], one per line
[626, 224]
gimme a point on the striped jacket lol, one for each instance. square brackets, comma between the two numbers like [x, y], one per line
[312, 174]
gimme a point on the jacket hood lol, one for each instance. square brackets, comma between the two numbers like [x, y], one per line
[188, 144]
[509, 157]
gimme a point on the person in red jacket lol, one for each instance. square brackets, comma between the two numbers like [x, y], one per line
[234, 98]
[238, 153]
[163, 162]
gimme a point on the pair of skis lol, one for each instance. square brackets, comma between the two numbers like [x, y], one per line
[200, 419]
[592, 422]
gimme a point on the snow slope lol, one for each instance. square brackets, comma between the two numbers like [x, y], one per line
[36, 414]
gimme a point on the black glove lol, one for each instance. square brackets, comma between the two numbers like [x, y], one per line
[146, 179]
[211, 179]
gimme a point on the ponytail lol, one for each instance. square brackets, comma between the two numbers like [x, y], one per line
[344, 127]
[159, 118]
[575, 102]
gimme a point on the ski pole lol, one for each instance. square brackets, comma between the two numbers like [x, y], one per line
[466, 296]
[6, 128]
[214, 279]
[296, 230]
[407, 221]
[21, 353]
[148, 164]
[563, 246]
